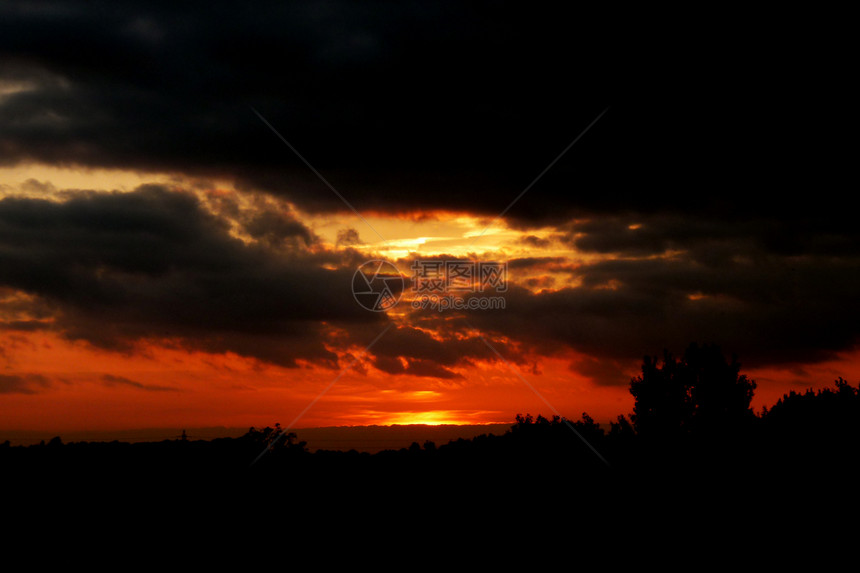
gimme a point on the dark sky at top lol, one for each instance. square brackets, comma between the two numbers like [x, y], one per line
[413, 105]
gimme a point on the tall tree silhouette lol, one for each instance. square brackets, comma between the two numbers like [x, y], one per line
[700, 395]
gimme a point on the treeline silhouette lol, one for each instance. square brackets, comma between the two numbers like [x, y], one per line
[691, 416]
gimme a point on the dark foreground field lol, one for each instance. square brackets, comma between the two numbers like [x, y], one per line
[537, 490]
[813, 437]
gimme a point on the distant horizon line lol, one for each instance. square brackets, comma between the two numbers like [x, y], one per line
[221, 426]
[33, 437]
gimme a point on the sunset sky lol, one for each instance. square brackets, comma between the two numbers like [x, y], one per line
[186, 193]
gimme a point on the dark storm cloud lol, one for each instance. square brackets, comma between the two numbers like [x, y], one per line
[655, 234]
[411, 105]
[770, 310]
[118, 267]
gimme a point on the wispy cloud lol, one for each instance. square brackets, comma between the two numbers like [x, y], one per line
[111, 380]
[22, 383]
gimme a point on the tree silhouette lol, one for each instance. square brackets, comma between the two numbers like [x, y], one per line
[826, 414]
[278, 443]
[701, 395]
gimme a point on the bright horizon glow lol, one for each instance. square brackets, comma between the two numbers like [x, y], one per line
[428, 418]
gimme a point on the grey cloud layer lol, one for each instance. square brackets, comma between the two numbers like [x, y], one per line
[114, 268]
[117, 267]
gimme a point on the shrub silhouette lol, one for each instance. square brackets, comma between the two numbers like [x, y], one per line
[814, 429]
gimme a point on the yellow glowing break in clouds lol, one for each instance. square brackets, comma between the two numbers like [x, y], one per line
[15, 177]
[430, 234]
[435, 233]
[404, 235]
